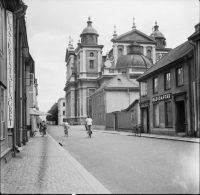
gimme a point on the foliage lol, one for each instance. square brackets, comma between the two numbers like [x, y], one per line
[54, 112]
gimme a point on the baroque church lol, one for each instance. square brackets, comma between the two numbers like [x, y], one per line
[87, 70]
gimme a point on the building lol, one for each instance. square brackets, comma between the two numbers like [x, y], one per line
[125, 119]
[195, 92]
[87, 70]
[113, 95]
[61, 110]
[16, 78]
[165, 94]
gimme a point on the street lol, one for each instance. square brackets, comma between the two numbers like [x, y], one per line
[129, 164]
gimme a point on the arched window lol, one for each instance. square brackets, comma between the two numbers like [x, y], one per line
[120, 52]
[149, 53]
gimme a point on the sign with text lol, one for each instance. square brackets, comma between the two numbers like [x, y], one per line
[162, 97]
[10, 70]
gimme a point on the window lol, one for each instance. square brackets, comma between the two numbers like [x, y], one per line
[155, 85]
[168, 114]
[156, 115]
[120, 52]
[1, 29]
[64, 113]
[149, 54]
[91, 54]
[2, 112]
[143, 88]
[63, 119]
[63, 104]
[167, 81]
[179, 76]
[91, 64]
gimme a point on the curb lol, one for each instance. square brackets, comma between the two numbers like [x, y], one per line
[90, 179]
[165, 138]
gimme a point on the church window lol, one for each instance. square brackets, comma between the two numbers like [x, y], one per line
[149, 54]
[96, 39]
[91, 54]
[84, 39]
[119, 52]
[91, 64]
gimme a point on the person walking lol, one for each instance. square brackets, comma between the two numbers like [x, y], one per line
[43, 128]
[89, 125]
[66, 127]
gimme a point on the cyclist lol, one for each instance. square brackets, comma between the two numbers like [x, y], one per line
[89, 124]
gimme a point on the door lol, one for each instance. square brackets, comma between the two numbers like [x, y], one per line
[180, 116]
[145, 120]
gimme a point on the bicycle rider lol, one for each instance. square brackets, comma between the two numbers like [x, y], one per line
[89, 123]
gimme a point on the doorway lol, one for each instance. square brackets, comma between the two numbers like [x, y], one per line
[180, 116]
[145, 120]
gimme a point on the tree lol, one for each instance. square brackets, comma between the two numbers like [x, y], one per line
[54, 112]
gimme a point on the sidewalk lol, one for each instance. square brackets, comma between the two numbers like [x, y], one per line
[44, 167]
[166, 137]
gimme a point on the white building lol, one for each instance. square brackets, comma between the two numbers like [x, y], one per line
[61, 110]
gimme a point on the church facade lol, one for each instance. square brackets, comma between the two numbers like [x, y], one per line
[87, 70]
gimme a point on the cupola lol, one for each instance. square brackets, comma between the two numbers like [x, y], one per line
[89, 35]
[158, 36]
[133, 59]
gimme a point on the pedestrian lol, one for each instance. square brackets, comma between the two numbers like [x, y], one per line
[43, 128]
[89, 124]
[66, 127]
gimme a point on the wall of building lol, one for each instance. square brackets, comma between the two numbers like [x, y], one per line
[162, 129]
[124, 97]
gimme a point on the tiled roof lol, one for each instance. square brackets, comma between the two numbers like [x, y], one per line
[170, 57]
[119, 81]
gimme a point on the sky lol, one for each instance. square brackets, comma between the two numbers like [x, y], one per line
[51, 22]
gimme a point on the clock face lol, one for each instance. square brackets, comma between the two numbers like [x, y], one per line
[91, 54]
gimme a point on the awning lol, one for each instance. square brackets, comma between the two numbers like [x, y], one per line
[38, 113]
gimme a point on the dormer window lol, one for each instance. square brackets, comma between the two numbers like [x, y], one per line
[91, 54]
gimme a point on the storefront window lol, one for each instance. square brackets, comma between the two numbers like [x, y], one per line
[179, 76]
[156, 115]
[168, 114]
[155, 85]
[2, 112]
[167, 81]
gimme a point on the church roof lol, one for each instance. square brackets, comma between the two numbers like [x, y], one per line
[119, 81]
[170, 57]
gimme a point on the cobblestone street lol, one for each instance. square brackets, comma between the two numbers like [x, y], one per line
[44, 167]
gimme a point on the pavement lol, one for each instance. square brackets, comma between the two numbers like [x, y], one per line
[166, 137]
[43, 166]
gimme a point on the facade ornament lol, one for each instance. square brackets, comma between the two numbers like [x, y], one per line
[133, 27]
[115, 34]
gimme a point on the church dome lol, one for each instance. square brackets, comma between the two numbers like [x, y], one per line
[156, 32]
[89, 29]
[134, 59]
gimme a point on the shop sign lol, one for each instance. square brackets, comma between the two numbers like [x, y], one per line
[10, 68]
[162, 97]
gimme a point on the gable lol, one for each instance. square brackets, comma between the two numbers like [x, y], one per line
[133, 36]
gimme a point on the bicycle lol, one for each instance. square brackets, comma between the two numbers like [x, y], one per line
[89, 130]
[137, 129]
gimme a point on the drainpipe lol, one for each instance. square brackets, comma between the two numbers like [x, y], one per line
[190, 99]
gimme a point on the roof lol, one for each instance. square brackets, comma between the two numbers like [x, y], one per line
[170, 57]
[119, 81]
[127, 109]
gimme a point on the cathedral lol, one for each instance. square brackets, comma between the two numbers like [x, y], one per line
[87, 70]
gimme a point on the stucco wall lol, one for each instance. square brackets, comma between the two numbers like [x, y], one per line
[118, 100]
